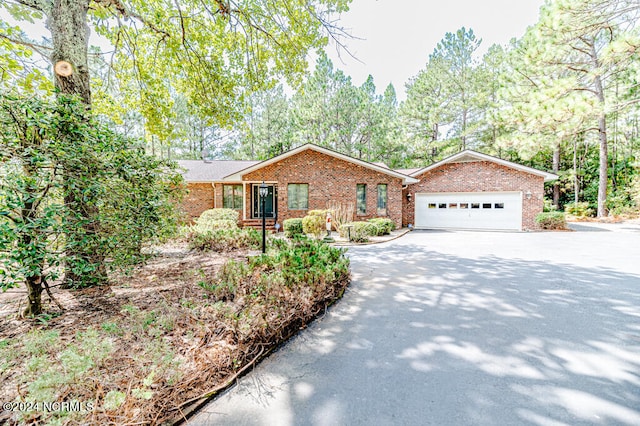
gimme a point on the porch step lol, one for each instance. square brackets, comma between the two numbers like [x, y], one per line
[257, 224]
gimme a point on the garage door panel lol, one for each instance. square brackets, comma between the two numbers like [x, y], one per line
[485, 210]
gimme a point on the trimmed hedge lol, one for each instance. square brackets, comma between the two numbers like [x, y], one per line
[551, 220]
[292, 227]
[313, 224]
[226, 239]
[214, 219]
[360, 231]
[385, 225]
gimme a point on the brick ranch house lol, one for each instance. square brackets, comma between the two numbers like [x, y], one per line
[469, 190]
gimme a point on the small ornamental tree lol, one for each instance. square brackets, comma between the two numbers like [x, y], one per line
[131, 195]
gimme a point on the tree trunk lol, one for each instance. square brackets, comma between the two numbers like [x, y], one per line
[604, 166]
[34, 296]
[602, 134]
[555, 169]
[576, 182]
[67, 22]
[70, 37]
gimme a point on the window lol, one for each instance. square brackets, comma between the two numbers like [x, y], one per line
[232, 197]
[464, 205]
[382, 199]
[453, 205]
[298, 196]
[442, 205]
[475, 205]
[498, 206]
[361, 198]
[432, 205]
[486, 205]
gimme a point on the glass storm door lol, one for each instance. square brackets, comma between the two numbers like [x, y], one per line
[269, 205]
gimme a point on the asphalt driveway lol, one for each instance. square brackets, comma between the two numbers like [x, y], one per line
[464, 328]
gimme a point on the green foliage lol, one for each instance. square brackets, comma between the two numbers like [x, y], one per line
[227, 280]
[213, 215]
[548, 206]
[314, 222]
[384, 224]
[52, 365]
[48, 150]
[360, 231]
[328, 110]
[551, 220]
[304, 262]
[225, 239]
[578, 209]
[293, 227]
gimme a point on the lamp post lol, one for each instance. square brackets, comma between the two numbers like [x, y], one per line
[264, 191]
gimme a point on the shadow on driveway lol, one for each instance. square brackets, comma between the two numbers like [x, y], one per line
[424, 337]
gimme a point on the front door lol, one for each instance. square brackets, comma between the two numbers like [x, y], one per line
[269, 202]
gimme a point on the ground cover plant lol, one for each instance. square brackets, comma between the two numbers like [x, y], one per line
[156, 343]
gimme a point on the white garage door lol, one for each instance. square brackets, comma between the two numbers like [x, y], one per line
[469, 210]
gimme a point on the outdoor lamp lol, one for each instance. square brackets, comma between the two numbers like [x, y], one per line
[408, 197]
[528, 195]
[264, 191]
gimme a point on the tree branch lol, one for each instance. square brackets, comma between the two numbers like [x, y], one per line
[43, 6]
[36, 47]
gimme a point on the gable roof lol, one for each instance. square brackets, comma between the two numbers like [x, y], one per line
[211, 171]
[406, 179]
[468, 155]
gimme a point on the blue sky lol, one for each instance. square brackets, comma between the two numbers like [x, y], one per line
[399, 35]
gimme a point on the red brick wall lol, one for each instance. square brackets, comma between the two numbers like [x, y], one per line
[479, 176]
[199, 199]
[329, 178]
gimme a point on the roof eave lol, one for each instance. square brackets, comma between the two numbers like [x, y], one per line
[548, 177]
[238, 175]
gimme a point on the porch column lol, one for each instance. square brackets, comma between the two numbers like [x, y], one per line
[244, 200]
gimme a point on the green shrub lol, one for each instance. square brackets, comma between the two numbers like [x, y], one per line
[384, 224]
[292, 227]
[360, 231]
[214, 219]
[304, 263]
[313, 224]
[551, 220]
[227, 281]
[578, 209]
[225, 239]
[548, 206]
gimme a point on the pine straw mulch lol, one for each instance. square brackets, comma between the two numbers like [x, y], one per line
[167, 335]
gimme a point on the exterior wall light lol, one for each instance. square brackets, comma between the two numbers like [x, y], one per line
[528, 194]
[408, 197]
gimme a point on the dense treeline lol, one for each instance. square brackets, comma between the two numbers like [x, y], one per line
[563, 97]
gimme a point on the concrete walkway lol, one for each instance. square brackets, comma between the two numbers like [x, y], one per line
[464, 328]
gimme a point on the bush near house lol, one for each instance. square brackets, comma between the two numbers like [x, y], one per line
[214, 219]
[360, 231]
[220, 240]
[551, 221]
[314, 222]
[384, 224]
[292, 227]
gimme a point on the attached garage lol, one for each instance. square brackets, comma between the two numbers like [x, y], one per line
[471, 190]
[469, 210]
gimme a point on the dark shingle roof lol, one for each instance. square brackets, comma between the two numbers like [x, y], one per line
[211, 171]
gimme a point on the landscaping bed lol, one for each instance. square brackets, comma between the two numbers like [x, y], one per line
[157, 343]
